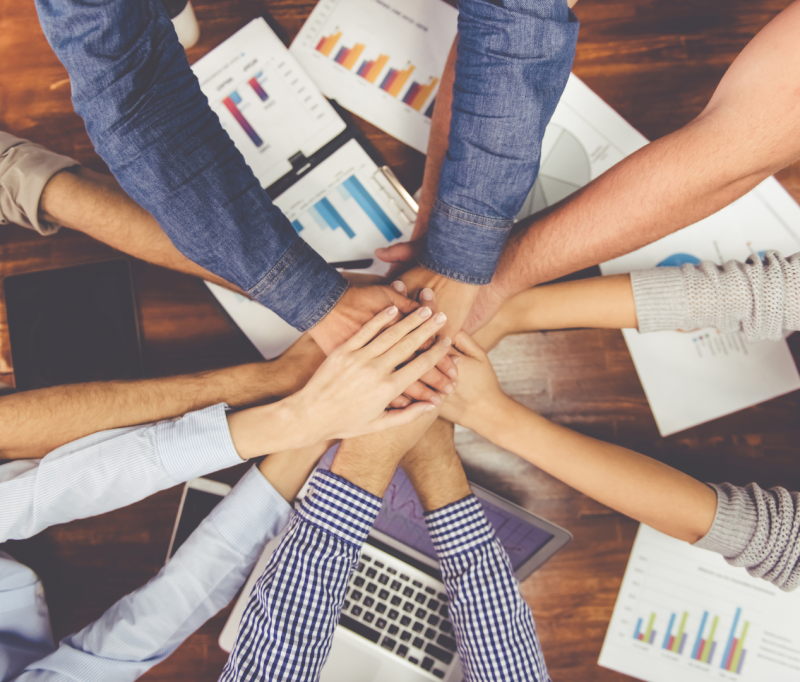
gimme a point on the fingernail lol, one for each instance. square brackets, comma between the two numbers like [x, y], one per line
[429, 408]
[398, 286]
[455, 384]
[426, 294]
[449, 389]
[391, 312]
[425, 312]
[446, 341]
[456, 360]
[452, 373]
[436, 400]
[440, 318]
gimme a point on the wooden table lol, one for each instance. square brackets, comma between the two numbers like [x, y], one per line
[657, 63]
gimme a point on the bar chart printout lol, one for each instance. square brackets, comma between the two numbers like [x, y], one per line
[381, 59]
[684, 614]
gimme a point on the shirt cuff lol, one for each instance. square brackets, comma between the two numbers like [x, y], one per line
[459, 527]
[735, 522]
[196, 444]
[251, 513]
[301, 287]
[463, 246]
[660, 298]
[340, 508]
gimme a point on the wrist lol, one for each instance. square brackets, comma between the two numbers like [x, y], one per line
[268, 428]
[366, 472]
[493, 417]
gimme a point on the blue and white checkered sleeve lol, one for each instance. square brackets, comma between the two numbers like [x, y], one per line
[494, 627]
[289, 621]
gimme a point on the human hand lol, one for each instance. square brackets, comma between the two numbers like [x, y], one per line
[402, 256]
[370, 461]
[478, 386]
[434, 468]
[487, 304]
[453, 298]
[355, 308]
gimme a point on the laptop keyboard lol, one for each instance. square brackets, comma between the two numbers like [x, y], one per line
[400, 609]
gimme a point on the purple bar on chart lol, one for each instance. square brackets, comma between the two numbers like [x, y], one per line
[652, 637]
[365, 66]
[412, 93]
[241, 120]
[341, 55]
[711, 653]
[683, 641]
[262, 94]
[741, 661]
[387, 82]
[429, 110]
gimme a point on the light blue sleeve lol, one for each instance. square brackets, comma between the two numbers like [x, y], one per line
[111, 469]
[146, 626]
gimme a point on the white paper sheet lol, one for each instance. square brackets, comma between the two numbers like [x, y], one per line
[667, 578]
[265, 101]
[692, 378]
[398, 51]
[373, 221]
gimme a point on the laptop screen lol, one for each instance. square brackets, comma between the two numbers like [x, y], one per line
[401, 517]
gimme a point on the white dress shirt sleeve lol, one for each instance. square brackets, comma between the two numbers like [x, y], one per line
[111, 469]
[207, 571]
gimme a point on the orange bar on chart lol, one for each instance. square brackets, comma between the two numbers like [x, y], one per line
[327, 44]
[400, 81]
[353, 55]
[423, 94]
[376, 68]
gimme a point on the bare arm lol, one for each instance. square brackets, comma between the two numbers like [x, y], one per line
[749, 130]
[630, 483]
[37, 422]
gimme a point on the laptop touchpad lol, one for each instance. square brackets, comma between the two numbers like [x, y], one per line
[351, 663]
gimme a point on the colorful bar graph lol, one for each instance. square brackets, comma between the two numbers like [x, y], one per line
[253, 83]
[230, 103]
[326, 44]
[734, 652]
[726, 656]
[352, 56]
[418, 94]
[353, 188]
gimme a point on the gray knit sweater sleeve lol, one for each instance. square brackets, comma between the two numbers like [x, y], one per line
[760, 298]
[759, 530]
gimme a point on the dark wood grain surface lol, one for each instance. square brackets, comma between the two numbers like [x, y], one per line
[657, 63]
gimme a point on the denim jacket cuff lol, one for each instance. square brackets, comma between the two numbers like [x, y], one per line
[301, 287]
[463, 246]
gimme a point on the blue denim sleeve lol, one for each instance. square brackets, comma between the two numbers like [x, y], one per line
[150, 122]
[514, 59]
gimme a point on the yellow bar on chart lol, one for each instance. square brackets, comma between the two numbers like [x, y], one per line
[329, 43]
[354, 54]
[423, 94]
[376, 68]
[400, 81]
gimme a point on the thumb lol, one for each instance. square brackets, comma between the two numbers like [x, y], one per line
[465, 343]
[406, 416]
[404, 304]
[399, 253]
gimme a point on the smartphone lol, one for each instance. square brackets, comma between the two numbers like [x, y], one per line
[200, 496]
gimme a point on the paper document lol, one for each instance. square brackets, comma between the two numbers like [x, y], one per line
[684, 614]
[265, 101]
[689, 378]
[381, 59]
[345, 208]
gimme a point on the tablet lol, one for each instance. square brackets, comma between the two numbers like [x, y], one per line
[72, 325]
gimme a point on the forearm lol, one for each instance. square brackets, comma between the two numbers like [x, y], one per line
[493, 625]
[288, 624]
[598, 302]
[146, 626]
[37, 422]
[635, 485]
[495, 137]
[127, 69]
[748, 131]
[111, 469]
[437, 143]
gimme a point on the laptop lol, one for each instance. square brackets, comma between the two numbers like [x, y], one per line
[395, 625]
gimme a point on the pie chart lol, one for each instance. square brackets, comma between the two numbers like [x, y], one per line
[565, 167]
